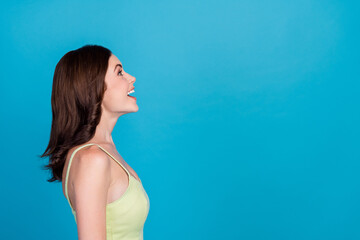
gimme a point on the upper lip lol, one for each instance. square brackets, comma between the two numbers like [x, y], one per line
[132, 89]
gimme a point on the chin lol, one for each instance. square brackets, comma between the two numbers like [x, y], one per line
[130, 110]
[135, 109]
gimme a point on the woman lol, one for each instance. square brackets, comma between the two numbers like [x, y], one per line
[90, 92]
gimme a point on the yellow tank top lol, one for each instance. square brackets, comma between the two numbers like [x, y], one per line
[126, 216]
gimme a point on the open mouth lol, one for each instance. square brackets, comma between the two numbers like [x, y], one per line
[131, 91]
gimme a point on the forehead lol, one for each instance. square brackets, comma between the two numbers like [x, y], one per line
[113, 61]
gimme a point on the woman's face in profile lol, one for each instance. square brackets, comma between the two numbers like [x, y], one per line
[119, 83]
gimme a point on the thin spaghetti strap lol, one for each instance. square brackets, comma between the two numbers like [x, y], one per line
[128, 173]
[69, 165]
[114, 159]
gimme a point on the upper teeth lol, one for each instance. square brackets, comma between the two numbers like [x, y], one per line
[131, 91]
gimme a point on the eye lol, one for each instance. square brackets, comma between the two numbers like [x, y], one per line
[121, 73]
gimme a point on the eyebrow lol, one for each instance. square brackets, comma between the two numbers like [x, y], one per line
[117, 65]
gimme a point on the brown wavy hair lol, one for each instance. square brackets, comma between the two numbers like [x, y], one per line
[77, 93]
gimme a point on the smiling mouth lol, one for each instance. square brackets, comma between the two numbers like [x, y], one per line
[131, 91]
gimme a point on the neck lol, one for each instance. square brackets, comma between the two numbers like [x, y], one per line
[104, 128]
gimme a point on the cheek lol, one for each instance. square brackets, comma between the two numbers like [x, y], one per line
[119, 87]
[114, 96]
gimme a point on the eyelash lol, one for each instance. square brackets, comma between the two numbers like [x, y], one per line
[121, 71]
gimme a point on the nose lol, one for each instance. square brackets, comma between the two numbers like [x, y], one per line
[132, 79]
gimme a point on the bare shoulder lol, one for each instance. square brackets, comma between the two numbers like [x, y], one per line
[91, 162]
[91, 184]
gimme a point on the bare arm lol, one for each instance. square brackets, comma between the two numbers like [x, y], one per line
[91, 184]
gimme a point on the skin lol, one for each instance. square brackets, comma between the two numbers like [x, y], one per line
[95, 179]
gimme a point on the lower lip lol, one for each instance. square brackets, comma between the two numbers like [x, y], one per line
[132, 97]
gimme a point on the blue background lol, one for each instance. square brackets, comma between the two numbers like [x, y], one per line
[248, 121]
